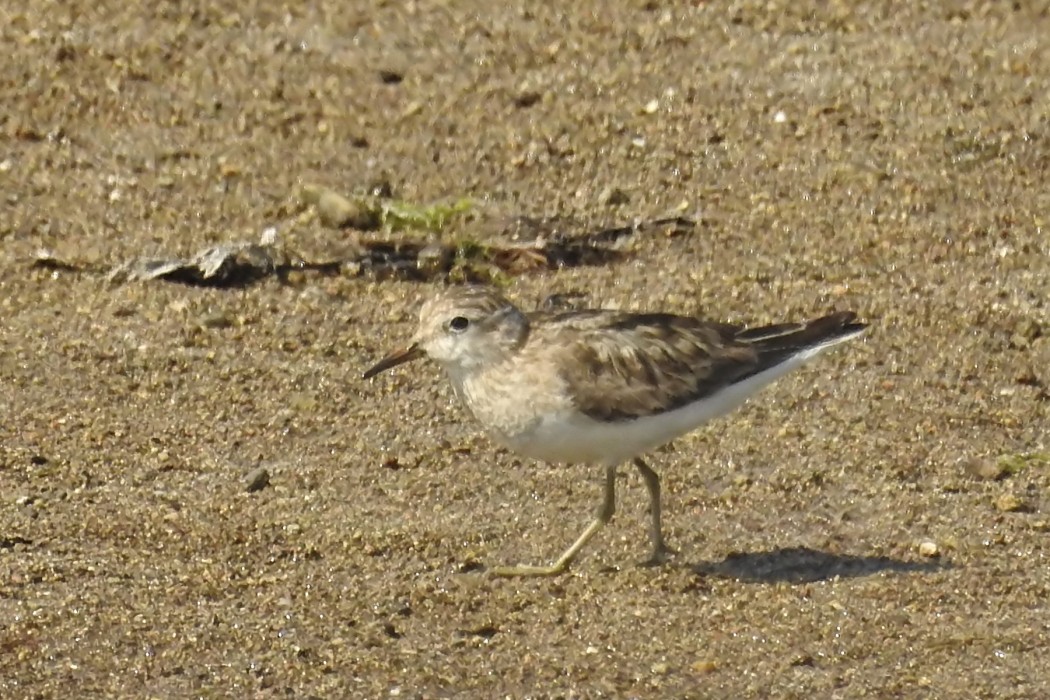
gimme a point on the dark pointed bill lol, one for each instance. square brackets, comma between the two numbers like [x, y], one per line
[393, 360]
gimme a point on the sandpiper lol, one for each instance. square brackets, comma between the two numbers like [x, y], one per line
[601, 386]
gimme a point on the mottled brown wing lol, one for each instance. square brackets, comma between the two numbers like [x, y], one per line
[621, 366]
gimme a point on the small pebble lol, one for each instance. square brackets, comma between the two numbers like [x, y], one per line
[391, 76]
[985, 468]
[337, 211]
[929, 549]
[1010, 503]
[257, 479]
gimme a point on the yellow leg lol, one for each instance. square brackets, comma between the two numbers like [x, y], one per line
[661, 552]
[605, 514]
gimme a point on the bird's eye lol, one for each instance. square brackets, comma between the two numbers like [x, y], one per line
[458, 324]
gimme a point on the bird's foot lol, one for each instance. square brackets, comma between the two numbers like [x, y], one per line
[661, 555]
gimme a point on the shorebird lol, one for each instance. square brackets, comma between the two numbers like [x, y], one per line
[601, 386]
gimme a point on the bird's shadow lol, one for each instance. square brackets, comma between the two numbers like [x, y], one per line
[805, 565]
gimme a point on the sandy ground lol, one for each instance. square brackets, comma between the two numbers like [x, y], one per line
[891, 158]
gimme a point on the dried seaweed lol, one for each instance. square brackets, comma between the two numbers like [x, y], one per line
[502, 248]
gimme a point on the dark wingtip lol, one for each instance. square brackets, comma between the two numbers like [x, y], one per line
[851, 326]
[839, 323]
